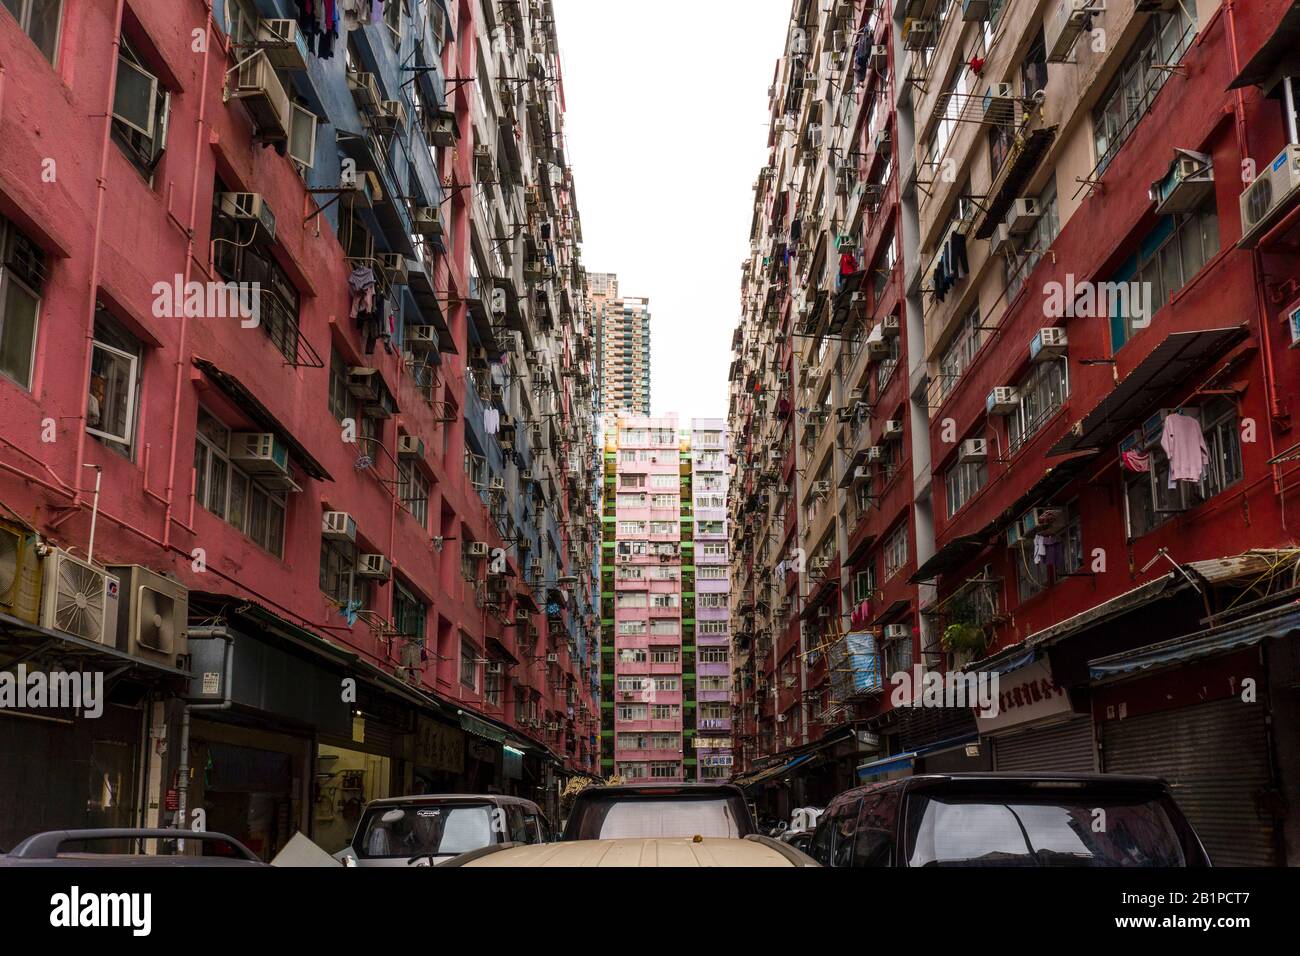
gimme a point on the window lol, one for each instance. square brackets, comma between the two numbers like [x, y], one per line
[1165, 37]
[468, 664]
[632, 712]
[413, 491]
[39, 19]
[664, 655]
[896, 549]
[338, 563]
[864, 585]
[394, 15]
[409, 613]
[140, 111]
[960, 353]
[242, 255]
[1040, 395]
[961, 482]
[713, 655]
[22, 278]
[631, 627]
[1149, 499]
[1166, 260]
[1032, 246]
[114, 386]
[1033, 69]
[239, 499]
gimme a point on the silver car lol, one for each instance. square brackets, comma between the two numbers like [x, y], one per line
[429, 830]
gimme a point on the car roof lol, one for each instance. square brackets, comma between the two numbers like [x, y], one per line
[688, 788]
[431, 798]
[659, 852]
[1091, 782]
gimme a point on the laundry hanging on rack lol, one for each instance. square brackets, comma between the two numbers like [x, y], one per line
[1135, 461]
[361, 290]
[491, 420]
[319, 22]
[1047, 550]
[861, 57]
[1184, 444]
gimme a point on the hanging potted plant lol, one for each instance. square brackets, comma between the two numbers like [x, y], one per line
[964, 638]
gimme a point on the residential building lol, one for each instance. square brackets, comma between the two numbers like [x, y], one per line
[292, 433]
[622, 351]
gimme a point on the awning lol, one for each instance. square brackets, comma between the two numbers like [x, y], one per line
[952, 555]
[1277, 622]
[238, 393]
[1279, 56]
[1170, 364]
[22, 641]
[771, 772]
[479, 728]
[905, 761]
[1020, 167]
[389, 213]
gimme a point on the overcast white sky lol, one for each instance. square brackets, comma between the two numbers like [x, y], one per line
[667, 130]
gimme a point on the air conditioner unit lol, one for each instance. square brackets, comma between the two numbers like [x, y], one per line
[20, 573]
[1047, 344]
[874, 453]
[1040, 521]
[79, 598]
[552, 658]
[498, 484]
[338, 526]
[263, 95]
[880, 57]
[920, 34]
[362, 187]
[1188, 183]
[492, 667]
[882, 139]
[1062, 27]
[410, 446]
[998, 106]
[1274, 190]
[819, 564]
[394, 266]
[973, 449]
[894, 428]
[1003, 400]
[259, 453]
[422, 338]
[374, 566]
[897, 632]
[153, 613]
[283, 43]
[248, 206]
[427, 220]
[365, 91]
[1002, 239]
[476, 549]
[390, 117]
[821, 488]
[1022, 215]
[889, 324]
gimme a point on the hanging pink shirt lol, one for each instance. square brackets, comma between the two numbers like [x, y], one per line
[1184, 443]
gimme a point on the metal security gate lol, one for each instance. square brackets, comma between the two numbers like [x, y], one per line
[1060, 748]
[1216, 758]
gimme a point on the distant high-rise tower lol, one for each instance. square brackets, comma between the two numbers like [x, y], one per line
[622, 347]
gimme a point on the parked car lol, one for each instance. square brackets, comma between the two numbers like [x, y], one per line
[668, 825]
[68, 848]
[429, 830]
[1003, 819]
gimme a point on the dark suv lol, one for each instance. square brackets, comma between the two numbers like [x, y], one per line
[992, 819]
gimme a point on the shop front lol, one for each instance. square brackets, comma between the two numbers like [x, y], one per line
[1036, 728]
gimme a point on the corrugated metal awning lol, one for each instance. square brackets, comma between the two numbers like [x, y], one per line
[1277, 622]
[1279, 56]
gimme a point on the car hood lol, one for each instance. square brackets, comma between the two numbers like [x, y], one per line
[660, 852]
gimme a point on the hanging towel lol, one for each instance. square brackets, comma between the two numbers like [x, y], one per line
[1135, 461]
[1184, 443]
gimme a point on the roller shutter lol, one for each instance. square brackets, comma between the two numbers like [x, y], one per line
[1059, 748]
[1215, 756]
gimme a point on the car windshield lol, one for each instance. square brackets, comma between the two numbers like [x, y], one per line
[1049, 831]
[651, 817]
[420, 829]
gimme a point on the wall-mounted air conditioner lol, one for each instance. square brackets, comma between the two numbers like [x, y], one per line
[79, 598]
[20, 573]
[874, 453]
[153, 614]
[1047, 344]
[821, 488]
[422, 338]
[365, 91]
[897, 632]
[492, 667]
[893, 428]
[338, 526]
[1002, 240]
[889, 325]
[248, 206]
[973, 449]
[1275, 190]
[1062, 27]
[260, 90]
[283, 43]
[1022, 215]
[374, 566]
[1002, 400]
[497, 484]
[427, 220]
[1189, 182]
[390, 117]
[260, 453]
[394, 266]
[880, 57]
[410, 446]
[552, 658]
